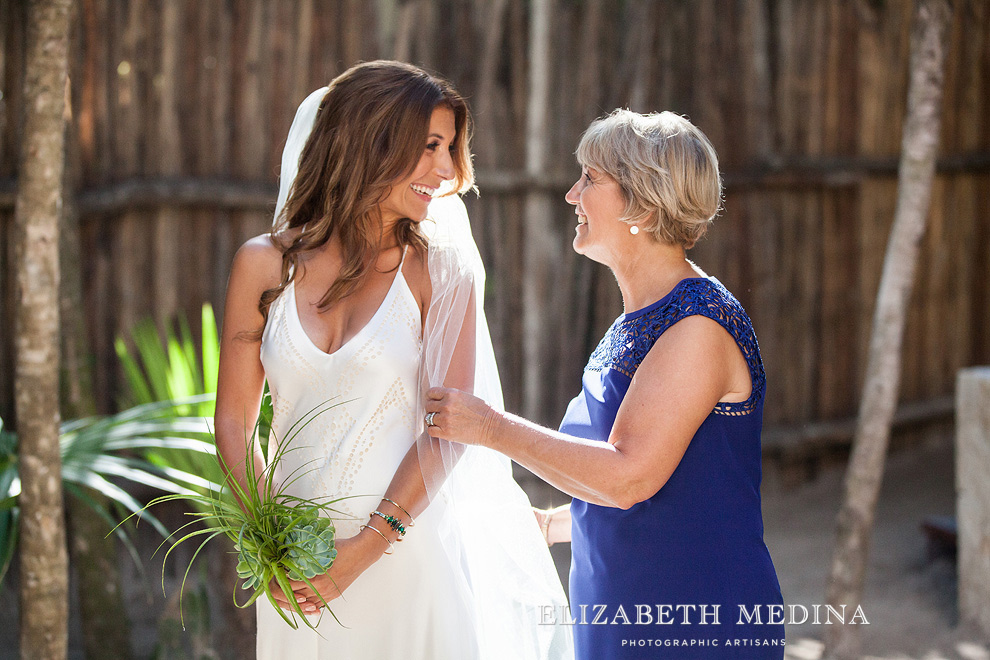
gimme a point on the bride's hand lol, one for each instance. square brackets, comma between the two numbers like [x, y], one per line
[459, 416]
[354, 556]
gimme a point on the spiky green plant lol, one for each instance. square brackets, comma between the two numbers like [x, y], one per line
[278, 536]
[99, 451]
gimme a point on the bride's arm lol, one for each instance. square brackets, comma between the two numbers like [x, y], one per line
[406, 496]
[241, 377]
[408, 487]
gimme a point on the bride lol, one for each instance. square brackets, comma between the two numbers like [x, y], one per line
[367, 291]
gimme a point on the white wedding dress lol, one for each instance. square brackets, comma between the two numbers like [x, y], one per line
[406, 606]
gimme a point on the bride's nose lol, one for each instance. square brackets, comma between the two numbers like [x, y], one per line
[444, 165]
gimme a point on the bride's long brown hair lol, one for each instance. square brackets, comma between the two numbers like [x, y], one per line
[370, 131]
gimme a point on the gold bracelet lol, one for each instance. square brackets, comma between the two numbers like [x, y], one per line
[412, 521]
[375, 530]
[546, 526]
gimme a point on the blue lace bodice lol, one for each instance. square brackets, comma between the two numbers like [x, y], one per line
[631, 336]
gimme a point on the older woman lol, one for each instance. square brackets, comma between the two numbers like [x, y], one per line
[661, 449]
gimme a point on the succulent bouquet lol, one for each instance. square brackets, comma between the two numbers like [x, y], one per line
[278, 536]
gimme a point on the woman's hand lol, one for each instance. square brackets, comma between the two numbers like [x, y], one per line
[354, 556]
[460, 417]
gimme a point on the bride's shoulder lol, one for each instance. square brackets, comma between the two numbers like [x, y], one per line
[258, 263]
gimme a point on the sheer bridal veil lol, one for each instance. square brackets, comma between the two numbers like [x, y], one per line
[488, 531]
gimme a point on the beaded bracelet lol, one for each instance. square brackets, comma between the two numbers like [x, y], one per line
[391, 548]
[412, 522]
[393, 522]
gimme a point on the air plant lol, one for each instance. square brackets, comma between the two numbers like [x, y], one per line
[278, 536]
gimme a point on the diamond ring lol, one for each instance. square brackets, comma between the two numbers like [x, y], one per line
[429, 419]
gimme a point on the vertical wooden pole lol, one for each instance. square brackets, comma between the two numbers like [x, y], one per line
[168, 221]
[485, 141]
[973, 488]
[44, 564]
[539, 250]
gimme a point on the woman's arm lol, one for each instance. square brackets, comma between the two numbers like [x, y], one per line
[555, 523]
[693, 366]
[408, 486]
[406, 496]
[241, 377]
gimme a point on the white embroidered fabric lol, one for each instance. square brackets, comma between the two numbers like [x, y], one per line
[474, 575]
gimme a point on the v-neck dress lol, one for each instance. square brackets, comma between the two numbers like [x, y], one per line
[405, 606]
[684, 574]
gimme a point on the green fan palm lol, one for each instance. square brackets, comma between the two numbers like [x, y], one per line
[100, 452]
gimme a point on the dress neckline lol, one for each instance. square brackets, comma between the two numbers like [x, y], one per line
[652, 306]
[386, 301]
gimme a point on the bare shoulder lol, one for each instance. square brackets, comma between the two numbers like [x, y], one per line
[698, 353]
[257, 263]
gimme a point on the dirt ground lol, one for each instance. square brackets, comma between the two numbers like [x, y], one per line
[910, 598]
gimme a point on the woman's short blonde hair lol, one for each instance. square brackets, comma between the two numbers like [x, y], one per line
[666, 167]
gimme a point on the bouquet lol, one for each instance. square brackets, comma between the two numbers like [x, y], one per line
[277, 536]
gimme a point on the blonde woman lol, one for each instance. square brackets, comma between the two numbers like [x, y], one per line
[661, 449]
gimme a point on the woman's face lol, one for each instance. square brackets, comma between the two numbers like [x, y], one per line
[410, 197]
[598, 203]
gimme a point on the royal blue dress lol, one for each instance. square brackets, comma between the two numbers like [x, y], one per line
[684, 574]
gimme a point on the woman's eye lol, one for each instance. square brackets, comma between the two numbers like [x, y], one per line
[432, 146]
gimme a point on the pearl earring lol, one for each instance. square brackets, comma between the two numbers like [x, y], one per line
[633, 229]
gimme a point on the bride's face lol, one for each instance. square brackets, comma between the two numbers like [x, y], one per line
[410, 197]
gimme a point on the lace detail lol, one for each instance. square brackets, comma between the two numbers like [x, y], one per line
[627, 342]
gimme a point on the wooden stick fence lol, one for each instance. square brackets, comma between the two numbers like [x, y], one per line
[180, 110]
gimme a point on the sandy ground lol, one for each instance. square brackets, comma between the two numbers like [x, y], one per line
[910, 600]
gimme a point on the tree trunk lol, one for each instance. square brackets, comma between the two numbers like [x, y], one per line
[919, 146]
[43, 561]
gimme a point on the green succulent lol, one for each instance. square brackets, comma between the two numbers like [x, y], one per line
[311, 549]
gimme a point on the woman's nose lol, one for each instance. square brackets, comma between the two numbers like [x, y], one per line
[445, 165]
[573, 195]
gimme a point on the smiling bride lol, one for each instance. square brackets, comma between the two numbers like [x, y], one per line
[367, 291]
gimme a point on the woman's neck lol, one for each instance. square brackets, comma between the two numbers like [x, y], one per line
[651, 272]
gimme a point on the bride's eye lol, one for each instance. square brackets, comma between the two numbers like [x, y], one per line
[432, 146]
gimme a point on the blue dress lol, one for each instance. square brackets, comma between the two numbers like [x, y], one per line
[684, 574]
